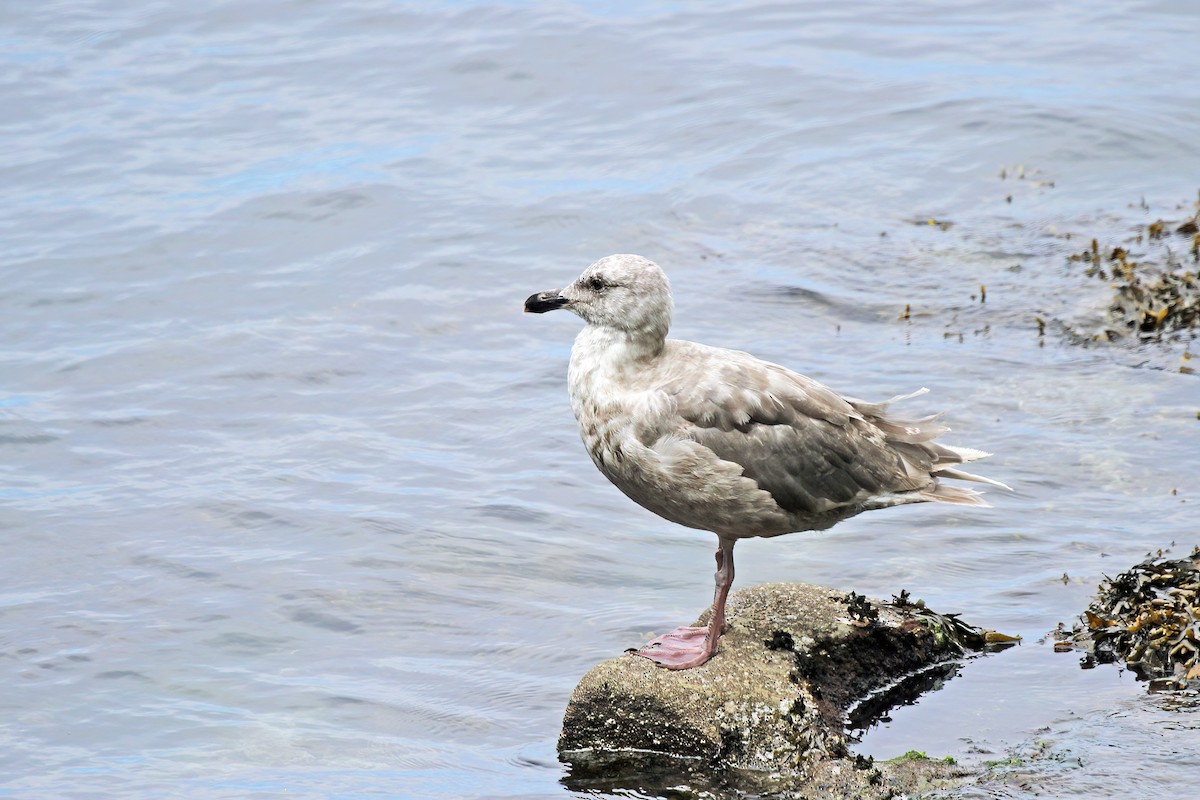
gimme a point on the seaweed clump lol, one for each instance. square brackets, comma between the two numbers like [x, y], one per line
[1154, 293]
[1149, 618]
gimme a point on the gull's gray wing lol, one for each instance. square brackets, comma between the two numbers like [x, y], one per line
[810, 448]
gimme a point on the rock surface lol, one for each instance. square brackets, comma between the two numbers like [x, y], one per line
[769, 713]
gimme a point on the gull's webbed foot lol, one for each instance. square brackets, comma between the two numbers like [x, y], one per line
[682, 648]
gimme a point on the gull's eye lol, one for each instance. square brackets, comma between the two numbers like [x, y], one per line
[596, 283]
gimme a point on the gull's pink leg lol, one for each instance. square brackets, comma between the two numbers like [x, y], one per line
[684, 648]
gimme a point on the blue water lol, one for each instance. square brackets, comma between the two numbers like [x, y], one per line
[293, 499]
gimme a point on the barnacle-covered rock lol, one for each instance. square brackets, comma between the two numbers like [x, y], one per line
[770, 712]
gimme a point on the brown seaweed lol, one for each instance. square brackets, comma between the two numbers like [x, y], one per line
[1148, 618]
[1155, 292]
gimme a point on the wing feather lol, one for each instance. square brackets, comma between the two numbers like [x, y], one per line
[806, 445]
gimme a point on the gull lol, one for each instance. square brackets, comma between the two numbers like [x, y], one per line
[721, 441]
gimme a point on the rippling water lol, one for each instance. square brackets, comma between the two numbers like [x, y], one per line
[293, 497]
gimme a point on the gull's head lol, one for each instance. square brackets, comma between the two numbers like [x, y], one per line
[623, 292]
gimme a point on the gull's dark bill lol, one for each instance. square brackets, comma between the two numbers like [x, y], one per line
[542, 302]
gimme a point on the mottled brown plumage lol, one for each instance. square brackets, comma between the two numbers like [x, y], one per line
[718, 440]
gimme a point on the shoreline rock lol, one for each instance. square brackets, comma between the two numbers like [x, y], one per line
[770, 712]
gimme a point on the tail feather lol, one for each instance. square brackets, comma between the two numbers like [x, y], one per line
[910, 431]
[966, 453]
[879, 409]
[958, 474]
[913, 441]
[957, 495]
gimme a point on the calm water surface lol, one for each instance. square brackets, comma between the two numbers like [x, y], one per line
[293, 499]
